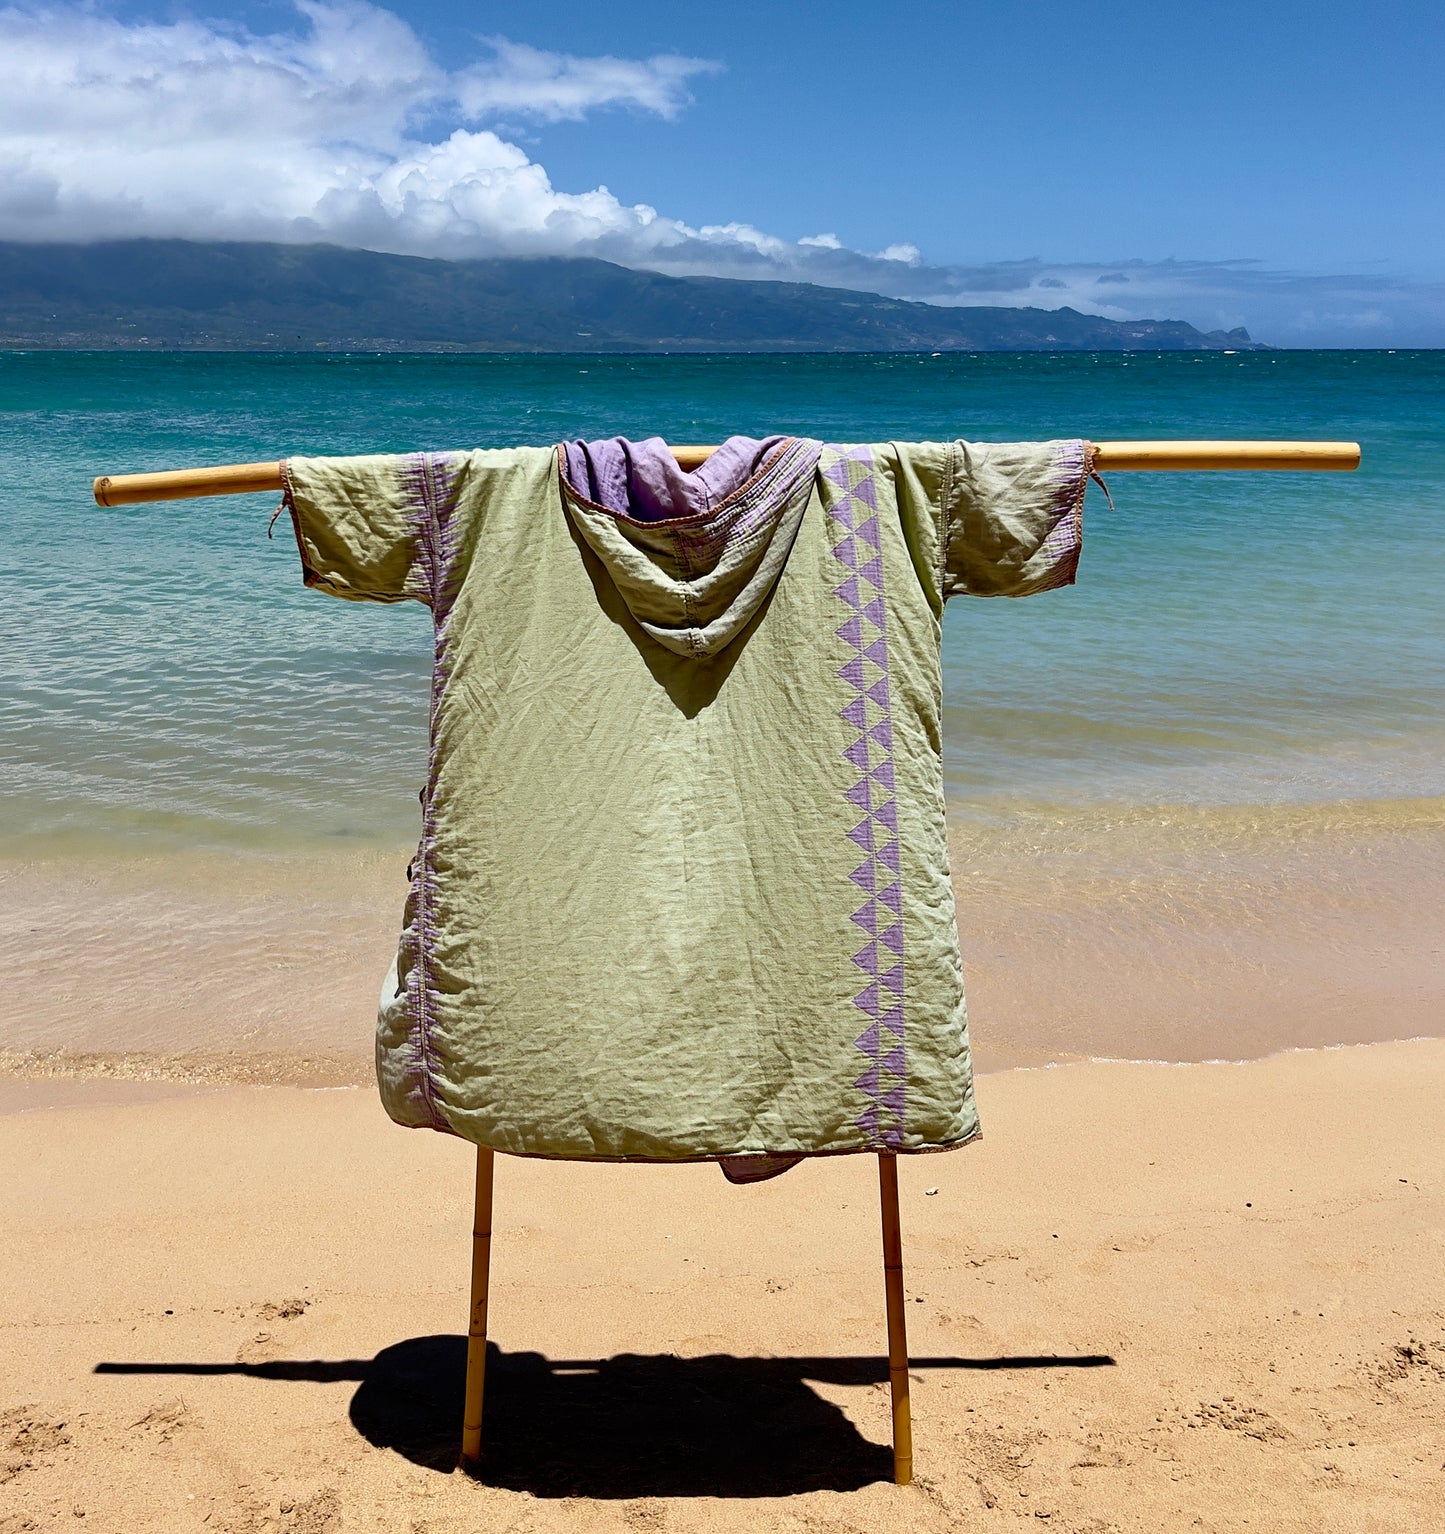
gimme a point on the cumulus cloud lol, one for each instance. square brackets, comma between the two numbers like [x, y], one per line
[208, 130]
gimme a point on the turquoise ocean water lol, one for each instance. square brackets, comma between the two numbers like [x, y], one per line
[1234, 640]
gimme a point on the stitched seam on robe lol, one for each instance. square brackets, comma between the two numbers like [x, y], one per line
[437, 553]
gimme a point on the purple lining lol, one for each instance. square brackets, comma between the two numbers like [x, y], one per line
[758, 1167]
[1073, 464]
[642, 480]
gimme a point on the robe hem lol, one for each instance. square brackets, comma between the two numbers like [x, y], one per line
[705, 1158]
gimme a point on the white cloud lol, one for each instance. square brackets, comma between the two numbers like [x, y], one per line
[205, 130]
[557, 87]
[208, 131]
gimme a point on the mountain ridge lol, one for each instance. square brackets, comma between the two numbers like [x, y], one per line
[251, 296]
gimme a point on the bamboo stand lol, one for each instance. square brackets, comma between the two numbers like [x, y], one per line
[477, 1327]
[897, 1319]
[475, 1391]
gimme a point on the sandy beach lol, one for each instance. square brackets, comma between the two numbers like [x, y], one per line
[1156, 1297]
[1153, 1298]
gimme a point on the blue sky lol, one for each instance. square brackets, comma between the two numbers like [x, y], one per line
[1277, 165]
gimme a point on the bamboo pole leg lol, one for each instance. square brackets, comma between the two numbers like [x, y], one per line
[477, 1328]
[897, 1321]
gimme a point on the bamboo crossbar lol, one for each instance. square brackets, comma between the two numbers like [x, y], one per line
[1109, 457]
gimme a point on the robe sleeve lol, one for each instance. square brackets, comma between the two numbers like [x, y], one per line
[1012, 516]
[363, 525]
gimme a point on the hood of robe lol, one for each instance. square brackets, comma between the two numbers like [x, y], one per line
[693, 555]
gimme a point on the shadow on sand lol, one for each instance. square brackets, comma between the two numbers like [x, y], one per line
[629, 1426]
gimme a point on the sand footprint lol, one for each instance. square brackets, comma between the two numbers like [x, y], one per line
[30, 1438]
[265, 1344]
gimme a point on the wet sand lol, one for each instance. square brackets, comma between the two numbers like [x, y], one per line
[1191, 935]
[1154, 1298]
[1169, 935]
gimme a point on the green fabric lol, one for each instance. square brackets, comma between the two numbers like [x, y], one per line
[659, 911]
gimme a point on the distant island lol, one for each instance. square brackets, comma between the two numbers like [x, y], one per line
[153, 295]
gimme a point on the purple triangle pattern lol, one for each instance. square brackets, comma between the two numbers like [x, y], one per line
[857, 539]
[867, 917]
